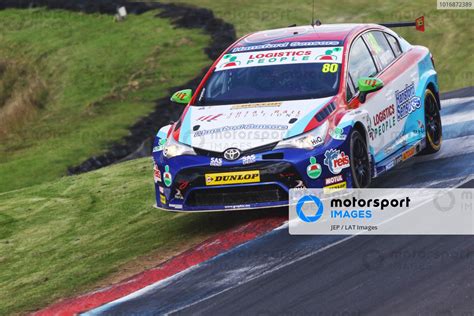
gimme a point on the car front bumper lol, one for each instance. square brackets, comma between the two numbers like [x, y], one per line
[278, 172]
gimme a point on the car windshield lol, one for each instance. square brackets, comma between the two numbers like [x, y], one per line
[265, 79]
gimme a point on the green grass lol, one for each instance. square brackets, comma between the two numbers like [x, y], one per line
[449, 33]
[101, 77]
[60, 238]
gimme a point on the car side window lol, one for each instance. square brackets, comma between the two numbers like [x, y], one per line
[394, 44]
[380, 48]
[361, 63]
[351, 91]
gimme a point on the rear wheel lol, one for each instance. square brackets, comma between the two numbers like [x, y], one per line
[432, 123]
[360, 162]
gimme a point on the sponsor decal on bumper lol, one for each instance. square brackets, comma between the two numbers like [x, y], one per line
[335, 187]
[162, 199]
[232, 177]
[408, 153]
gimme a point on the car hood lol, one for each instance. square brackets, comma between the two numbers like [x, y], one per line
[245, 126]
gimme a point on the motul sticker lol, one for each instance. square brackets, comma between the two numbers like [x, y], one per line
[333, 180]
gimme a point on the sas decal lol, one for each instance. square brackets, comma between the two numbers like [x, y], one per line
[216, 162]
[232, 177]
[336, 160]
[246, 160]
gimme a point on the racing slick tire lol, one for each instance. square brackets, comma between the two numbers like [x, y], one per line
[360, 161]
[433, 128]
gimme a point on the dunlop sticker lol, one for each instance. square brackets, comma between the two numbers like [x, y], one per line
[233, 177]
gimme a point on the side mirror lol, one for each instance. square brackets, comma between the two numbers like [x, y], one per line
[182, 96]
[368, 85]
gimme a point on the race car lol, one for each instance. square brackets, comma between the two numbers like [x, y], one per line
[317, 106]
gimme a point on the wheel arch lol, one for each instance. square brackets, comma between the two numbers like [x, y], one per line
[358, 126]
[431, 86]
[362, 129]
[163, 133]
[358, 120]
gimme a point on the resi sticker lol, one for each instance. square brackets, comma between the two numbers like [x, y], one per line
[282, 57]
[336, 160]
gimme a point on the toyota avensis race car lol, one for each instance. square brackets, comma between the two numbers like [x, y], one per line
[327, 106]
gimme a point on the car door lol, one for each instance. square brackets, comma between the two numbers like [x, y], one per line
[363, 63]
[389, 128]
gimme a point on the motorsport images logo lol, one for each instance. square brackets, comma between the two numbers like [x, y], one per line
[314, 205]
[402, 211]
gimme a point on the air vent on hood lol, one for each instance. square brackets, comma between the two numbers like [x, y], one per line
[273, 156]
[325, 112]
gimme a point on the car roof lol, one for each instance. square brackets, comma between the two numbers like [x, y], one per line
[324, 32]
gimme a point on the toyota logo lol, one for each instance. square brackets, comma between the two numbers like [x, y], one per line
[232, 154]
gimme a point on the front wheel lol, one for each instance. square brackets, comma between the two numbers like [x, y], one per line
[360, 162]
[432, 123]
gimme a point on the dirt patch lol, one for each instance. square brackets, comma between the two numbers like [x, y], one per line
[22, 94]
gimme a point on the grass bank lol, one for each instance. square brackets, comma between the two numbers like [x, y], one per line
[61, 238]
[100, 76]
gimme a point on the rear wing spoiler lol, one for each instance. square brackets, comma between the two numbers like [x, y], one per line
[419, 24]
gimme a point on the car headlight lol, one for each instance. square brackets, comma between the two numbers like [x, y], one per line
[173, 148]
[309, 140]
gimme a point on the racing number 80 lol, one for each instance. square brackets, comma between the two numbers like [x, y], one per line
[330, 68]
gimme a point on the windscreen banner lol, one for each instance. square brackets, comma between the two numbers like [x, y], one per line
[408, 211]
[330, 55]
